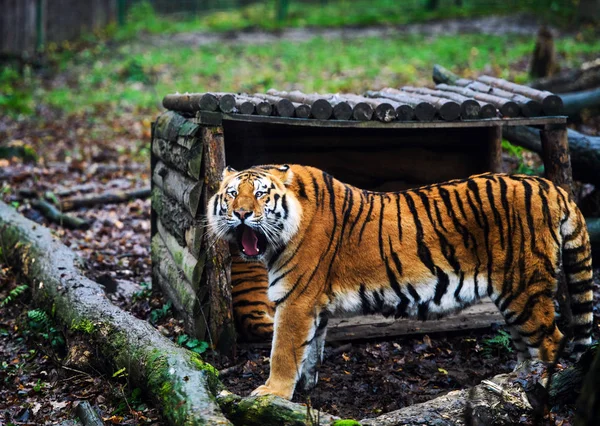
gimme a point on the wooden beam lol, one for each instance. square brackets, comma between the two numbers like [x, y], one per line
[480, 316]
[217, 274]
[555, 154]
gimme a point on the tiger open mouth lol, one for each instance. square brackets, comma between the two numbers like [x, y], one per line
[251, 242]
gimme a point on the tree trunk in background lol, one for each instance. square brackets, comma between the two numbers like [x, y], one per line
[543, 61]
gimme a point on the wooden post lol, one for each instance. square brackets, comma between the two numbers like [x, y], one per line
[555, 154]
[217, 271]
[495, 149]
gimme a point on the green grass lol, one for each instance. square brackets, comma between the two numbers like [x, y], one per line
[336, 13]
[135, 75]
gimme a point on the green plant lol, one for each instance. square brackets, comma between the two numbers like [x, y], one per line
[498, 344]
[40, 324]
[144, 293]
[192, 344]
[160, 313]
[13, 294]
[133, 401]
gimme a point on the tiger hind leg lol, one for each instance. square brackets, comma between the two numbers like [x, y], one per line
[519, 344]
[535, 324]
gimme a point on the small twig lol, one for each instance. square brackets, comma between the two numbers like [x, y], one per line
[231, 370]
[53, 214]
[109, 197]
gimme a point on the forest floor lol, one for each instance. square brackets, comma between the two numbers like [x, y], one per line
[105, 148]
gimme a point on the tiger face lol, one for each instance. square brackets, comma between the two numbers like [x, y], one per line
[254, 209]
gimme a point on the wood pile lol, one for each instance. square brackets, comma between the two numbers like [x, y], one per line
[178, 199]
[462, 99]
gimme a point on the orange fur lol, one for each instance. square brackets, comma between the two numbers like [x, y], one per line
[332, 248]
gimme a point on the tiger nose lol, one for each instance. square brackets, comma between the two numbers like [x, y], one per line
[242, 214]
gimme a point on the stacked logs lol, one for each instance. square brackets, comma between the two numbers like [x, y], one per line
[177, 177]
[460, 99]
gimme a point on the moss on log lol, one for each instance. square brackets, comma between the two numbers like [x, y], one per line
[176, 379]
[183, 258]
[269, 410]
[185, 190]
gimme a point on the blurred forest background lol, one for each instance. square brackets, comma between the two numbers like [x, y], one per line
[81, 83]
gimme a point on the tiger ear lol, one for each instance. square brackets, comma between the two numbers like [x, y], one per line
[228, 171]
[287, 175]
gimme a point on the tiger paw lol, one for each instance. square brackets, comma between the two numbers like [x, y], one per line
[267, 390]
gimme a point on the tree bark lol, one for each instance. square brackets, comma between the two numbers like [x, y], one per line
[575, 102]
[185, 190]
[575, 80]
[176, 379]
[56, 216]
[109, 197]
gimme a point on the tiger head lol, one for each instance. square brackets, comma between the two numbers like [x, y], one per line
[256, 209]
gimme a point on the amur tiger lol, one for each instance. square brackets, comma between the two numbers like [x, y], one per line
[252, 309]
[331, 248]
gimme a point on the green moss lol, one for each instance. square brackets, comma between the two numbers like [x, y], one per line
[212, 375]
[165, 390]
[84, 325]
[345, 423]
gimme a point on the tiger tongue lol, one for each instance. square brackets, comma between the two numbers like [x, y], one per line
[250, 242]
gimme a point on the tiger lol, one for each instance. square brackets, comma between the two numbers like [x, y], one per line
[252, 310]
[331, 248]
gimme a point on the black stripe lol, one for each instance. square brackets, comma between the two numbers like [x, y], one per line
[360, 210]
[216, 204]
[582, 308]
[462, 230]
[582, 330]
[528, 309]
[542, 189]
[439, 216]
[395, 258]
[365, 304]
[486, 230]
[398, 217]
[235, 294]
[459, 287]
[581, 286]
[276, 280]
[441, 286]
[574, 234]
[285, 296]
[581, 266]
[413, 293]
[422, 249]
[242, 303]
[301, 188]
[378, 301]
[371, 200]
[284, 206]
[423, 311]
[315, 188]
[497, 220]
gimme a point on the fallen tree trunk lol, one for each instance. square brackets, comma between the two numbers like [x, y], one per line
[574, 80]
[176, 379]
[501, 400]
[584, 150]
[109, 197]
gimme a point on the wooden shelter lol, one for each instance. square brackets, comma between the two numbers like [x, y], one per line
[385, 140]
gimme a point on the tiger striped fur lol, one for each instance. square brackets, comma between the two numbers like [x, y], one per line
[331, 248]
[252, 309]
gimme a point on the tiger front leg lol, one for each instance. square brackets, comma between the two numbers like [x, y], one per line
[294, 327]
[314, 357]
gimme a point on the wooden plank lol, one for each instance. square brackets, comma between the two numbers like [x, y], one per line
[479, 316]
[490, 122]
[555, 154]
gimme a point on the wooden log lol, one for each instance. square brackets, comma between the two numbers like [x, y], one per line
[447, 109]
[506, 107]
[584, 150]
[177, 220]
[270, 410]
[575, 102]
[187, 161]
[320, 108]
[243, 106]
[555, 154]
[87, 415]
[175, 379]
[56, 216]
[182, 257]
[302, 110]
[575, 80]
[470, 109]
[480, 316]
[179, 293]
[443, 75]
[495, 149]
[424, 111]
[218, 259]
[528, 107]
[108, 197]
[342, 110]
[551, 103]
[283, 107]
[168, 125]
[187, 102]
[186, 191]
[261, 106]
